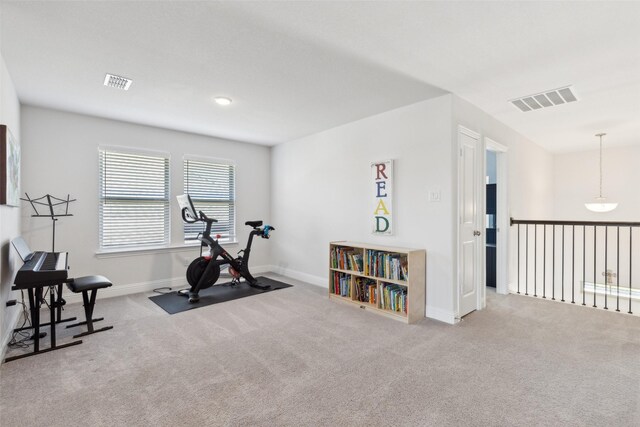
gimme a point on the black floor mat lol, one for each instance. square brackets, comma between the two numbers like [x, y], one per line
[173, 303]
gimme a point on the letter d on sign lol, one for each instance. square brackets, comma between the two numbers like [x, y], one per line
[385, 223]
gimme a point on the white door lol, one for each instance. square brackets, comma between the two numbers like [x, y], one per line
[470, 239]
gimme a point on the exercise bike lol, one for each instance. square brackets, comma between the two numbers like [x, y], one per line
[204, 271]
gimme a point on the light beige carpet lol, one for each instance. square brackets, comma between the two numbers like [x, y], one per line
[292, 357]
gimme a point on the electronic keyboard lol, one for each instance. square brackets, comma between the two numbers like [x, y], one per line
[42, 269]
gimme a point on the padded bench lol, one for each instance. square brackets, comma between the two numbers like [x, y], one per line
[85, 284]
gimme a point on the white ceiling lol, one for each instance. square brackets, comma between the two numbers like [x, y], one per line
[296, 68]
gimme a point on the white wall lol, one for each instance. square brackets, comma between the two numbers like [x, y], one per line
[492, 172]
[322, 192]
[60, 157]
[9, 216]
[576, 178]
[530, 183]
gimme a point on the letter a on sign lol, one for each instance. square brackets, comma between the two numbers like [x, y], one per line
[382, 192]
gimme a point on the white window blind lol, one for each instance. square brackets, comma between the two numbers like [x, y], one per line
[211, 185]
[134, 199]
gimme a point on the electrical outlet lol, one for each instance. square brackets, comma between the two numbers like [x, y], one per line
[11, 302]
[610, 275]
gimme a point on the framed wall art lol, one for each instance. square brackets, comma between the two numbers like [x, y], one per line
[10, 165]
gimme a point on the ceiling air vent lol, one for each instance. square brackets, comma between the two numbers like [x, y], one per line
[544, 99]
[117, 81]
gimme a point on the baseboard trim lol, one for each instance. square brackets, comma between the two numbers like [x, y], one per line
[13, 323]
[118, 290]
[305, 277]
[127, 289]
[441, 315]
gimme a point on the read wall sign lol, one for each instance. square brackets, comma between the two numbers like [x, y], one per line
[382, 177]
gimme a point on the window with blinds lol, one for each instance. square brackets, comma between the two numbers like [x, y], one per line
[134, 199]
[211, 185]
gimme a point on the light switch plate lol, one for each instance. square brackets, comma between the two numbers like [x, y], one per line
[434, 196]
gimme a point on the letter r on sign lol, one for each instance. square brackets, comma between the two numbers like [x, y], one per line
[380, 167]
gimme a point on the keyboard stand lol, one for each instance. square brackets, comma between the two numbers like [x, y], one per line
[59, 305]
[35, 301]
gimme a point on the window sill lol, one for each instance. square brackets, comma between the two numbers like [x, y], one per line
[125, 252]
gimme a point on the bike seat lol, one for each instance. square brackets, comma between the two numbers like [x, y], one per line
[254, 224]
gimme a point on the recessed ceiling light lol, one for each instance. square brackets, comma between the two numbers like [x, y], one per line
[221, 100]
[118, 82]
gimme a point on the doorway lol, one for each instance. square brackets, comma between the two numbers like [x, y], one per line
[490, 218]
[496, 217]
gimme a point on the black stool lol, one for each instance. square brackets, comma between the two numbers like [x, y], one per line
[84, 285]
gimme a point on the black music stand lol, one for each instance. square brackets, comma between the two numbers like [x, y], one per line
[54, 206]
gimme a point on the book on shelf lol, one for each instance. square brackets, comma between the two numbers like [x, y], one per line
[394, 297]
[386, 265]
[346, 258]
[356, 261]
[404, 268]
[366, 290]
[342, 284]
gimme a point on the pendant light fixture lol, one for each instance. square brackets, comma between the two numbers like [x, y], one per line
[600, 203]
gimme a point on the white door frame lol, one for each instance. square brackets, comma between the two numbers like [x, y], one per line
[502, 211]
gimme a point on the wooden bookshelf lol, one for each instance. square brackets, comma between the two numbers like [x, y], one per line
[386, 280]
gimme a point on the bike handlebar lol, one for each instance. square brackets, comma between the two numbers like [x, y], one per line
[266, 230]
[187, 217]
[205, 218]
